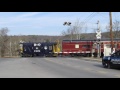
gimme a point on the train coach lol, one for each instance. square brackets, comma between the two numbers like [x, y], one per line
[77, 47]
[89, 48]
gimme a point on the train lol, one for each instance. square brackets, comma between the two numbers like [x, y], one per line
[32, 49]
[85, 48]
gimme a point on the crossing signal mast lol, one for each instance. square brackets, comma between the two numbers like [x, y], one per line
[98, 39]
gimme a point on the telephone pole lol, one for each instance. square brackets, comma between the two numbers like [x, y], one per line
[111, 33]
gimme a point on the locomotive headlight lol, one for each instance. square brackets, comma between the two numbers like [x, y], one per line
[34, 44]
[45, 47]
[36, 47]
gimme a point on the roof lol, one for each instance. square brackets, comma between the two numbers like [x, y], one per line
[90, 40]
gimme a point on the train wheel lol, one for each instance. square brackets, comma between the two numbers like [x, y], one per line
[72, 55]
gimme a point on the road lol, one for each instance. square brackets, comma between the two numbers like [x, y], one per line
[60, 67]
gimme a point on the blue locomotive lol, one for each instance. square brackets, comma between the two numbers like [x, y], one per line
[32, 49]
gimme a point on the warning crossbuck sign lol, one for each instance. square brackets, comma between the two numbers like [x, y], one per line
[98, 36]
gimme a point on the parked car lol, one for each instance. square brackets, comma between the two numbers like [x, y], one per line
[112, 61]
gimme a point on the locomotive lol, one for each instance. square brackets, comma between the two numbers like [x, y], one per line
[32, 49]
[86, 48]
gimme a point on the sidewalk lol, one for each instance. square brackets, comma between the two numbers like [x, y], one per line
[10, 57]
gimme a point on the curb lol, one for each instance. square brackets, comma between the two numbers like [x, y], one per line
[10, 57]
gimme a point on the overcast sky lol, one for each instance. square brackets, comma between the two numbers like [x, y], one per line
[51, 23]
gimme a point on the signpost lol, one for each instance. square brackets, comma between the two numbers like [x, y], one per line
[98, 37]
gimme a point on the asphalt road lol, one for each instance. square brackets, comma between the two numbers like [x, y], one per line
[60, 67]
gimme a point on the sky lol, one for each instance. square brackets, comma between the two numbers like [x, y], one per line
[51, 23]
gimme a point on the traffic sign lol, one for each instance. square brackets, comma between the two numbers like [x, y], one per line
[98, 35]
[98, 31]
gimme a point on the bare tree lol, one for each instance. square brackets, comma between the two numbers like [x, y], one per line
[3, 41]
[75, 31]
[67, 33]
[116, 29]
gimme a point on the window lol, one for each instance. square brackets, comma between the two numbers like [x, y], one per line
[21, 45]
[86, 46]
[117, 53]
[77, 46]
[50, 47]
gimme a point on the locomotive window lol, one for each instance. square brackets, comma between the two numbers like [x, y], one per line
[21, 45]
[86, 46]
[25, 49]
[77, 46]
[50, 47]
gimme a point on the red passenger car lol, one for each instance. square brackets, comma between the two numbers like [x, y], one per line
[77, 47]
[89, 47]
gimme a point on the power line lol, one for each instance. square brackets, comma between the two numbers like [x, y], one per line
[84, 22]
[87, 19]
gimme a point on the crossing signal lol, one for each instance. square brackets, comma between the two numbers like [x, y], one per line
[65, 23]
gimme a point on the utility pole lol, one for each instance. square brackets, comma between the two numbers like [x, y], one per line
[10, 49]
[111, 33]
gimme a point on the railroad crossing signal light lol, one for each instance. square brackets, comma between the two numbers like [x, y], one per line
[65, 23]
[69, 23]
